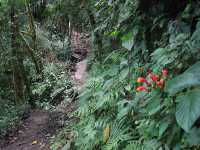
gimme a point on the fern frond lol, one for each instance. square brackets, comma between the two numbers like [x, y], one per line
[135, 146]
[120, 132]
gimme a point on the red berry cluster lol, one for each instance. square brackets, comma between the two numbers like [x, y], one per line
[152, 81]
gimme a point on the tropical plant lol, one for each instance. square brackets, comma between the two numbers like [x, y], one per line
[160, 110]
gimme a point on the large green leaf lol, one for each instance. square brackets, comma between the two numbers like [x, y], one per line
[153, 105]
[187, 111]
[190, 77]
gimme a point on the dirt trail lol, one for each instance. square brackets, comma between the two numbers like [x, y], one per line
[37, 129]
[81, 49]
[33, 135]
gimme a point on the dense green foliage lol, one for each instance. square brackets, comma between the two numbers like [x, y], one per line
[29, 70]
[138, 36]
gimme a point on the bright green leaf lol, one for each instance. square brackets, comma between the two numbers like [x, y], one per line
[127, 41]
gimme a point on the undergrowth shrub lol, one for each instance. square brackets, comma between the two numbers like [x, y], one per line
[54, 88]
[10, 116]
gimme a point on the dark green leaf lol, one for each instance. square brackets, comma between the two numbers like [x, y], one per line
[190, 77]
[187, 111]
[193, 137]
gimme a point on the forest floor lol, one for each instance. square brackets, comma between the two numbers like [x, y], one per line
[36, 131]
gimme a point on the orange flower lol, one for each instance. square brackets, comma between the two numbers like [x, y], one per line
[141, 80]
[165, 72]
[160, 83]
[154, 77]
[141, 88]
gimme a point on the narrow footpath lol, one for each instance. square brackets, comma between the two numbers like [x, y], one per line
[36, 131]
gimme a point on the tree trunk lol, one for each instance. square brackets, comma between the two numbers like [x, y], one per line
[36, 60]
[20, 79]
[98, 39]
[18, 82]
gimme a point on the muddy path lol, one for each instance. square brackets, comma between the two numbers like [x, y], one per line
[36, 131]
